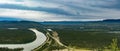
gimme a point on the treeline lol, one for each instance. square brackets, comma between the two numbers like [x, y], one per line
[7, 49]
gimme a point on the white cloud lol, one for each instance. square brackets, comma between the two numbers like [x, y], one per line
[87, 8]
[29, 15]
[35, 4]
[31, 3]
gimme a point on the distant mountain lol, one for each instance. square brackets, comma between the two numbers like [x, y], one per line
[31, 24]
[111, 20]
[79, 22]
[20, 24]
[60, 22]
[9, 19]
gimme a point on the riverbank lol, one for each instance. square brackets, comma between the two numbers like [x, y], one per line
[40, 39]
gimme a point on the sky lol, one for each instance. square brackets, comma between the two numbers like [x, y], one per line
[59, 10]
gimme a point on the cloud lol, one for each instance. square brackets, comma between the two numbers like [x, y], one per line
[60, 10]
[28, 15]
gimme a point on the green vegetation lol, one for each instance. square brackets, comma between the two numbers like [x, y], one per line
[84, 35]
[94, 36]
[114, 45]
[19, 36]
[78, 40]
[7, 49]
[19, 24]
[87, 39]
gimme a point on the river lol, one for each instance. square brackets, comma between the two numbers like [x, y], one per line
[40, 39]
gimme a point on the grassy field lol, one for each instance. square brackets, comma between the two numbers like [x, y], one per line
[87, 39]
[19, 36]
